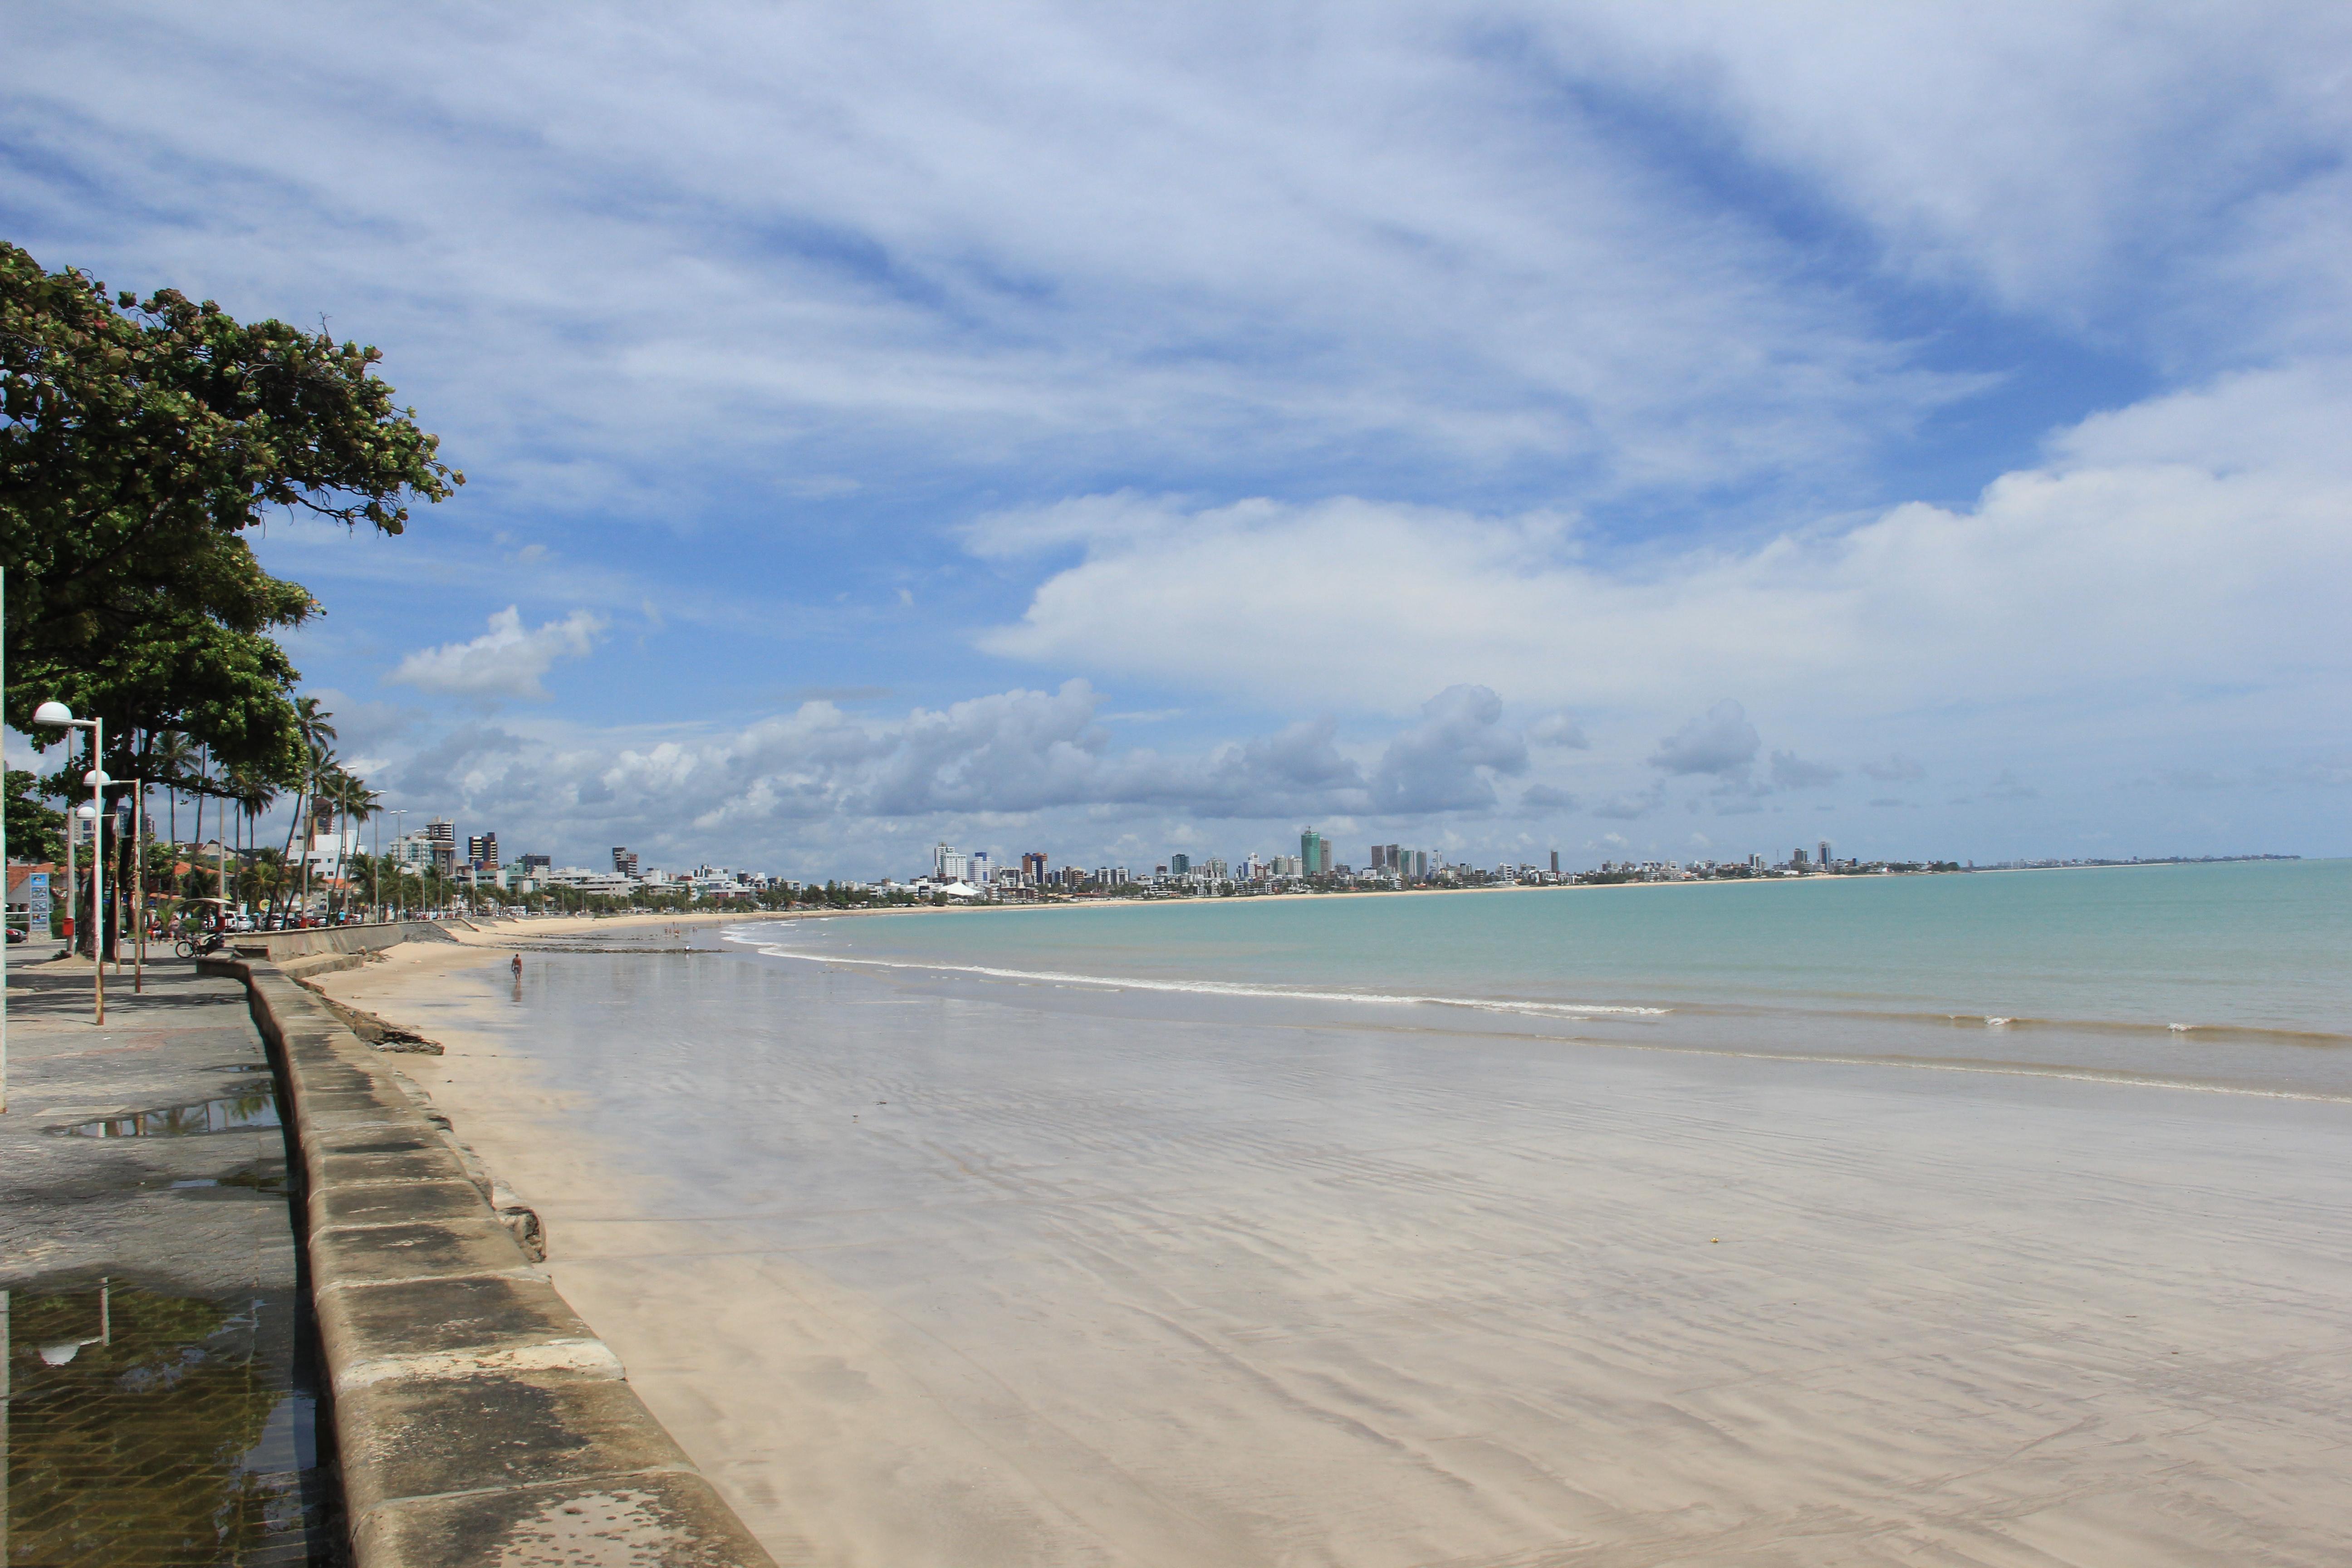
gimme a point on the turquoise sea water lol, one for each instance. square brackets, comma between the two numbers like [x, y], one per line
[2227, 976]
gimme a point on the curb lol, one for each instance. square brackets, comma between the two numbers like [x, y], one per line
[478, 1418]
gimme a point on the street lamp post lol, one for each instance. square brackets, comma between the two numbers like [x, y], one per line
[136, 895]
[400, 879]
[56, 715]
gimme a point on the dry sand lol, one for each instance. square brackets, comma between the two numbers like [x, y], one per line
[1096, 1287]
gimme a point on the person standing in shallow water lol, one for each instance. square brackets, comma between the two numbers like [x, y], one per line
[517, 965]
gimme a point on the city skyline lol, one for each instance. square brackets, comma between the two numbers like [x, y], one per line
[1703, 431]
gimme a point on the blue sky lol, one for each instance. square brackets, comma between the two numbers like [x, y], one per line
[1628, 429]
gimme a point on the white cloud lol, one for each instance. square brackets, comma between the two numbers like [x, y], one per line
[1212, 236]
[1007, 758]
[1791, 772]
[1896, 769]
[1628, 805]
[1720, 741]
[1559, 729]
[2105, 164]
[505, 661]
[1447, 761]
[2108, 568]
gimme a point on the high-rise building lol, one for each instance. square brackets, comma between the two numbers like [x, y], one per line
[1033, 867]
[624, 860]
[442, 837]
[1825, 851]
[1177, 865]
[1419, 865]
[1555, 862]
[1799, 858]
[482, 851]
[531, 863]
[1314, 858]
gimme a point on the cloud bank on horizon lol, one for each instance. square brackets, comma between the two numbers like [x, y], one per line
[1598, 426]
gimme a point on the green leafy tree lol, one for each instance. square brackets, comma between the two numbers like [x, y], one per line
[35, 832]
[139, 441]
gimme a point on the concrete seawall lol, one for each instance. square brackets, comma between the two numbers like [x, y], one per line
[280, 945]
[479, 1419]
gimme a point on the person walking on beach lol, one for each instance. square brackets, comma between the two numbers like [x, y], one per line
[517, 965]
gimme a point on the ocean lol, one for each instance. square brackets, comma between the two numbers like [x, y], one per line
[2233, 976]
[1716, 1224]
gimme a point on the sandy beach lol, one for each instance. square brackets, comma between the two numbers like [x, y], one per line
[925, 1274]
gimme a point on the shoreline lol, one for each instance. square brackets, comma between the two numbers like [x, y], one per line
[568, 924]
[944, 1278]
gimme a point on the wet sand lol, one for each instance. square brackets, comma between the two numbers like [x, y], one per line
[970, 1274]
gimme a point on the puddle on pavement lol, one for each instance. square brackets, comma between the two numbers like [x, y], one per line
[148, 1429]
[233, 1113]
[270, 1181]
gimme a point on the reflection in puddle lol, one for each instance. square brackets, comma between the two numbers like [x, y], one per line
[153, 1429]
[236, 1114]
[265, 1179]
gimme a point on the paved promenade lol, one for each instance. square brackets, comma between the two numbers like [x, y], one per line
[157, 1406]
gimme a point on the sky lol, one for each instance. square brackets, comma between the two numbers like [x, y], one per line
[1634, 430]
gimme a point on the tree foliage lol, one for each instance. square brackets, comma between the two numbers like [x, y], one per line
[139, 440]
[35, 832]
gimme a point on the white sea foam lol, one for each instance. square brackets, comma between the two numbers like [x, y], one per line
[1204, 987]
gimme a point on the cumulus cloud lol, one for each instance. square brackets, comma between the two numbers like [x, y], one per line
[505, 661]
[1720, 741]
[1896, 769]
[1543, 799]
[2192, 537]
[1005, 757]
[1559, 729]
[1446, 763]
[1628, 805]
[1793, 772]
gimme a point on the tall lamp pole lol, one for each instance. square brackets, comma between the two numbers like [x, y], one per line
[54, 715]
[138, 890]
[400, 877]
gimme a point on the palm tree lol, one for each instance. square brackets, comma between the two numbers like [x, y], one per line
[170, 755]
[310, 725]
[353, 804]
[252, 795]
[360, 803]
[266, 878]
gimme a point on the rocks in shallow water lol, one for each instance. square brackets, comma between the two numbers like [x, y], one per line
[377, 1032]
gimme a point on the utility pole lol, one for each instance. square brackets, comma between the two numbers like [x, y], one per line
[8, 793]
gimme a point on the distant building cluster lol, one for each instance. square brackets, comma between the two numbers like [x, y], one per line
[435, 847]
[958, 874]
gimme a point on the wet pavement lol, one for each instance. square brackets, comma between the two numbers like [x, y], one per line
[156, 1407]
